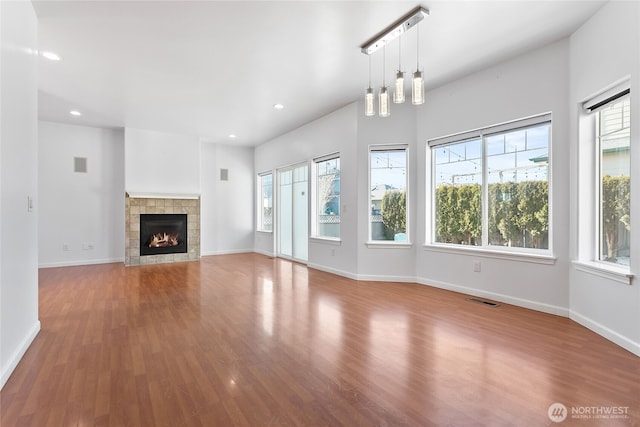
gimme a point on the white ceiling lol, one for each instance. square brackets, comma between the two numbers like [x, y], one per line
[213, 68]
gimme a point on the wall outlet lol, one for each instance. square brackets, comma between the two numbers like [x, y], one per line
[65, 246]
[476, 266]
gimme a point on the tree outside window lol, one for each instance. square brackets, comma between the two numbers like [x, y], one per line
[388, 194]
[614, 141]
[265, 208]
[518, 202]
[492, 189]
[328, 197]
[458, 208]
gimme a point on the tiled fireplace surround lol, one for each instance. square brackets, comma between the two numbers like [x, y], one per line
[160, 204]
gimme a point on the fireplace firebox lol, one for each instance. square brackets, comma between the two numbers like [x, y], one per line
[163, 234]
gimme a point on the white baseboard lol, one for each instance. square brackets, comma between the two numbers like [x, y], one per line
[265, 253]
[17, 355]
[520, 302]
[380, 278]
[361, 277]
[611, 335]
[79, 262]
[605, 332]
[333, 271]
[507, 299]
[236, 251]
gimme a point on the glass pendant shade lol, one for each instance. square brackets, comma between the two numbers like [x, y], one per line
[383, 102]
[398, 94]
[369, 108]
[417, 93]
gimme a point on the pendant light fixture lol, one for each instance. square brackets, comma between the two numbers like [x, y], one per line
[383, 96]
[417, 86]
[369, 108]
[405, 23]
[398, 94]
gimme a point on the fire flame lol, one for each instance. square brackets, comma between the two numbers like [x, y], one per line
[162, 240]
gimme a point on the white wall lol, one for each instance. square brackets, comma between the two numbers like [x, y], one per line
[159, 162]
[84, 211]
[227, 208]
[19, 322]
[554, 78]
[604, 50]
[335, 132]
[381, 263]
[531, 84]
[534, 83]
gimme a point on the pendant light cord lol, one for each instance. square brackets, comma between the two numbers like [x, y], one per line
[418, 47]
[384, 53]
[400, 53]
[369, 70]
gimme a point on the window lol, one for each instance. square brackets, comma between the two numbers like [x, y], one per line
[491, 186]
[388, 193]
[327, 186]
[458, 177]
[265, 206]
[613, 137]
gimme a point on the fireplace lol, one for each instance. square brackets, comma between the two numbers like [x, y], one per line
[163, 234]
[140, 207]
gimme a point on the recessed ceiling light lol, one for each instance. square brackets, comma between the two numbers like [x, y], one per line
[51, 56]
[278, 106]
[232, 135]
[75, 113]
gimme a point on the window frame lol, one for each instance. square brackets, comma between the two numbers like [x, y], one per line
[598, 188]
[315, 209]
[543, 256]
[588, 186]
[378, 244]
[259, 211]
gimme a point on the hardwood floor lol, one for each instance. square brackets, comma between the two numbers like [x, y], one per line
[249, 340]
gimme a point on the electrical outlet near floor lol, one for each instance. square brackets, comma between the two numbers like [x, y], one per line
[476, 266]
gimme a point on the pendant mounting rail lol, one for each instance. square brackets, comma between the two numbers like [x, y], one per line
[394, 30]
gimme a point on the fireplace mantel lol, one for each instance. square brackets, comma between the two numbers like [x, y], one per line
[137, 203]
[174, 196]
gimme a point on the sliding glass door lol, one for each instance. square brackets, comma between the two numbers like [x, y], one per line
[293, 212]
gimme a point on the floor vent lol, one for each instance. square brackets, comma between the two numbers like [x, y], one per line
[481, 301]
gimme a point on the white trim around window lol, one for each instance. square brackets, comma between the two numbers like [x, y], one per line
[601, 269]
[325, 214]
[480, 156]
[262, 225]
[383, 243]
[589, 186]
[488, 253]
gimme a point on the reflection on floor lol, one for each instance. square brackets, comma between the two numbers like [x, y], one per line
[248, 340]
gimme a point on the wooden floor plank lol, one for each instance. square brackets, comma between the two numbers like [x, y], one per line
[249, 340]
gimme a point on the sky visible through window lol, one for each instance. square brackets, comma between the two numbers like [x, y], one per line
[517, 156]
[389, 168]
